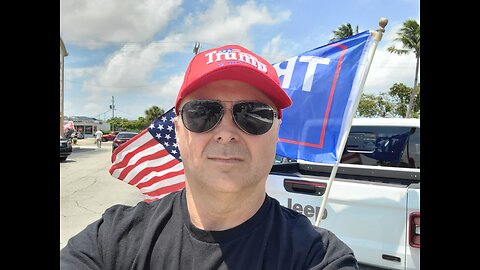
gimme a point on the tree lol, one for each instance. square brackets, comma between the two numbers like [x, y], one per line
[343, 31]
[391, 104]
[376, 106]
[140, 124]
[401, 95]
[409, 36]
[119, 123]
[152, 113]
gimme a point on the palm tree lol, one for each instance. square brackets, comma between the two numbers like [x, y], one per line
[409, 35]
[343, 31]
[152, 113]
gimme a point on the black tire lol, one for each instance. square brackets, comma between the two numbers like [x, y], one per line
[104, 139]
[63, 158]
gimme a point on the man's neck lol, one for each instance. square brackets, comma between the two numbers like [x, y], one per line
[217, 212]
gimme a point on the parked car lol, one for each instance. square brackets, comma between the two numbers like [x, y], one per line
[122, 137]
[65, 148]
[109, 136]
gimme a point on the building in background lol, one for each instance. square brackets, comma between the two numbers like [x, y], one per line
[63, 53]
[87, 125]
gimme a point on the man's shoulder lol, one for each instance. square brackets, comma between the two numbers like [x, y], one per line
[142, 210]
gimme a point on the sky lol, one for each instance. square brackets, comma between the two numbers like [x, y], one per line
[135, 53]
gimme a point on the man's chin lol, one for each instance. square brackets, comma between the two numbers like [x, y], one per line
[228, 182]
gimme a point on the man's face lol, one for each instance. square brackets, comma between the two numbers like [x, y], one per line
[227, 159]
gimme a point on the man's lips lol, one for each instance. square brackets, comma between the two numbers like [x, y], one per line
[226, 159]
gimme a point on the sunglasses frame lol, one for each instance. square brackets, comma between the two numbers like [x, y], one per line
[222, 103]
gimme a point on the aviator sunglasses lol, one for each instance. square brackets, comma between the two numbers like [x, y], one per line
[253, 117]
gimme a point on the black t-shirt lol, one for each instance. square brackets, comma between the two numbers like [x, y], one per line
[160, 235]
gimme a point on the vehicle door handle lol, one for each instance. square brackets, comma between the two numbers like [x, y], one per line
[304, 187]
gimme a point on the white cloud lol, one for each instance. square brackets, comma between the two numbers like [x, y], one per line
[93, 107]
[69, 107]
[129, 68]
[128, 72]
[278, 49]
[389, 68]
[96, 23]
[223, 23]
[161, 94]
[79, 73]
[168, 90]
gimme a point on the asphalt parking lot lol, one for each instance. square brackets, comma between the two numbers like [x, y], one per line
[87, 189]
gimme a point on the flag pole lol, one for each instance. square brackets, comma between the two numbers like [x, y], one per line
[377, 36]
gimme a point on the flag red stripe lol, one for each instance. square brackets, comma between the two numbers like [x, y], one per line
[146, 171]
[166, 189]
[153, 156]
[128, 156]
[126, 159]
[157, 179]
[332, 91]
[123, 145]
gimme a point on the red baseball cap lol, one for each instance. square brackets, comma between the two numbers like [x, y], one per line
[233, 62]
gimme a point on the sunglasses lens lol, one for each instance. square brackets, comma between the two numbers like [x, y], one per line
[201, 115]
[253, 117]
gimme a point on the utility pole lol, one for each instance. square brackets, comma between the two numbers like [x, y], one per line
[113, 112]
[196, 47]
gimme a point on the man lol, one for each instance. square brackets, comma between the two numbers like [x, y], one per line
[229, 111]
[98, 138]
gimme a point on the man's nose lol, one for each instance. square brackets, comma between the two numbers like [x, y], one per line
[227, 130]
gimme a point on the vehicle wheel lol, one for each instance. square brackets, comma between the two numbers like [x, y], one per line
[63, 158]
[104, 139]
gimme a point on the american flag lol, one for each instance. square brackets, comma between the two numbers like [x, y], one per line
[151, 160]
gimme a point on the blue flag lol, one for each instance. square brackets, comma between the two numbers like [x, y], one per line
[324, 85]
